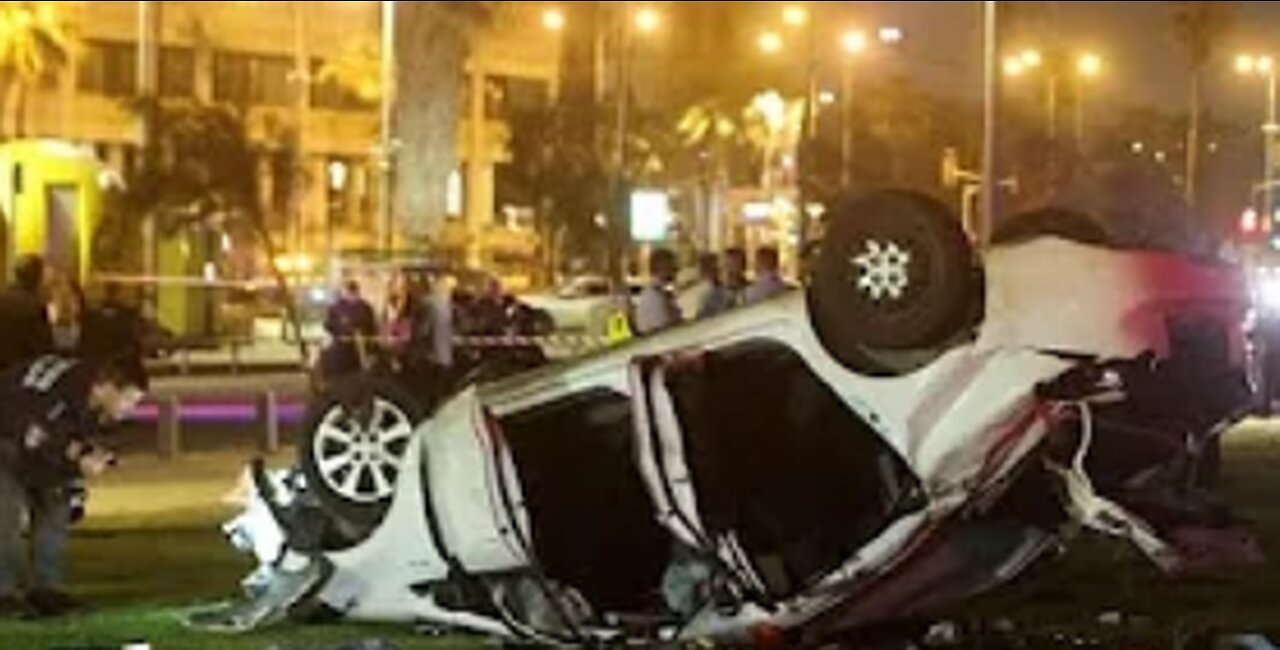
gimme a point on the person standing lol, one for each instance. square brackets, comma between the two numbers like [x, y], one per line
[24, 315]
[735, 276]
[656, 308]
[353, 328]
[51, 412]
[768, 283]
[712, 295]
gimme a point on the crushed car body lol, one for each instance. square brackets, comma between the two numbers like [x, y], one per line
[918, 426]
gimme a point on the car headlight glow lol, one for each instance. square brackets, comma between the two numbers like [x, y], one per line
[1269, 291]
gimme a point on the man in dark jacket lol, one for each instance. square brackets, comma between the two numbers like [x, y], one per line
[24, 316]
[353, 326]
[51, 411]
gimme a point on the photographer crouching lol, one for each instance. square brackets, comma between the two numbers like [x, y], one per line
[52, 411]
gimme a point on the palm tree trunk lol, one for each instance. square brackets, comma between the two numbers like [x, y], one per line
[6, 94]
[432, 54]
[20, 111]
[1194, 137]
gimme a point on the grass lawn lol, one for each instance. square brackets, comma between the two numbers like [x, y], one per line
[152, 548]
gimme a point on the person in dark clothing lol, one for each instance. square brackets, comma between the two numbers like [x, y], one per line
[24, 317]
[52, 412]
[353, 326]
[112, 328]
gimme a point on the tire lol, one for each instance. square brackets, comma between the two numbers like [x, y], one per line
[352, 463]
[895, 273]
[1051, 222]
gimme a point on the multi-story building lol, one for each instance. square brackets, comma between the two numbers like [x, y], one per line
[254, 55]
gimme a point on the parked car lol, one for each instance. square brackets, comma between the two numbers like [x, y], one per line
[583, 305]
[917, 427]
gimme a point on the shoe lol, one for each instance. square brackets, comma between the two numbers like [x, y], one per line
[53, 604]
[14, 609]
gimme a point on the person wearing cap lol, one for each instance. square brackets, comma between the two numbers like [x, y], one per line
[53, 411]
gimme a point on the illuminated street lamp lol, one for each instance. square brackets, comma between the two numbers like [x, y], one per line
[1265, 67]
[771, 43]
[648, 20]
[1088, 68]
[892, 35]
[554, 20]
[854, 42]
[795, 16]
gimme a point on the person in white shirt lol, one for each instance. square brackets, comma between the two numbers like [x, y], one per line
[713, 298]
[656, 309]
[768, 283]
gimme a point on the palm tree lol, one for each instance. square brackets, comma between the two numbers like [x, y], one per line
[1200, 27]
[433, 43]
[713, 132]
[773, 125]
[35, 41]
[356, 68]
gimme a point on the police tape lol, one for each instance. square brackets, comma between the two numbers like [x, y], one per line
[558, 341]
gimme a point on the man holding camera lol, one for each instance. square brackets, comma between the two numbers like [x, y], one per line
[51, 411]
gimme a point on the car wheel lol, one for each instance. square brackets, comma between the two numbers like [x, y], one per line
[353, 444]
[895, 273]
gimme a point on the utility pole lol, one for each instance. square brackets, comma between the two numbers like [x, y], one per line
[991, 124]
[387, 144]
[148, 87]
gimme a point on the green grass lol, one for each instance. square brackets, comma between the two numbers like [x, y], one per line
[1100, 576]
[152, 550]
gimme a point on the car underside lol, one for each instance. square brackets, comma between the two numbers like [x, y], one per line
[917, 427]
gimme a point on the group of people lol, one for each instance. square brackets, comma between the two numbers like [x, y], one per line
[66, 376]
[722, 287]
[412, 339]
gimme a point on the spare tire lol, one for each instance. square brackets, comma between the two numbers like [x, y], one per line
[352, 447]
[895, 272]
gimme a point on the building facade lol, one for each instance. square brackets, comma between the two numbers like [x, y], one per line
[269, 59]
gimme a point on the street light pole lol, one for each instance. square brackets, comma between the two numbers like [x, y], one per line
[846, 126]
[1270, 132]
[619, 225]
[386, 146]
[148, 84]
[991, 125]
[302, 117]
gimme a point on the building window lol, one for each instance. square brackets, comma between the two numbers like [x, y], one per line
[231, 78]
[507, 95]
[109, 69]
[178, 72]
[273, 81]
[246, 79]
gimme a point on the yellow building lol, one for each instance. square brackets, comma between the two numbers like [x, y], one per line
[249, 54]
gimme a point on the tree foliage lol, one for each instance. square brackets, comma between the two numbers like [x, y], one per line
[36, 40]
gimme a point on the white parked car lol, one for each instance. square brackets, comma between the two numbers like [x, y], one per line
[916, 428]
[583, 305]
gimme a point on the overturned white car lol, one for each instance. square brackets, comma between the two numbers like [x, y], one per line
[918, 426]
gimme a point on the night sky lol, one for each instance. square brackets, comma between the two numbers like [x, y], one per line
[1145, 64]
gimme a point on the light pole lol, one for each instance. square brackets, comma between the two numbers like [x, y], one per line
[386, 145]
[991, 123]
[148, 83]
[854, 44]
[302, 117]
[631, 20]
[1088, 67]
[1265, 67]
